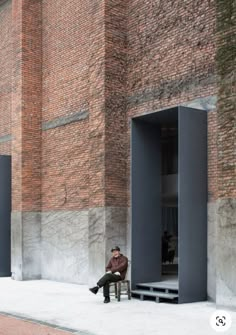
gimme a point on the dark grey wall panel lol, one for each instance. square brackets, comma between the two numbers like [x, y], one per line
[5, 215]
[145, 202]
[192, 190]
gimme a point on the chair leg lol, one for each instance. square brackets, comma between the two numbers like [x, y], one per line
[119, 291]
[116, 290]
[128, 291]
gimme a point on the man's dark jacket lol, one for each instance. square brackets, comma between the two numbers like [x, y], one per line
[119, 264]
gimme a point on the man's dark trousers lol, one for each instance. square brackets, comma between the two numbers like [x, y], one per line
[106, 280]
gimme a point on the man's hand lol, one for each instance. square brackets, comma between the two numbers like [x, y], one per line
[117, 273]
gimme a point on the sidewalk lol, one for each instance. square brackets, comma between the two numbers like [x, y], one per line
[73, 308]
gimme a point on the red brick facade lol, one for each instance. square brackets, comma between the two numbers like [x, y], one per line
[5, 75]
[111, 60]
[26, 105]
[65, 70]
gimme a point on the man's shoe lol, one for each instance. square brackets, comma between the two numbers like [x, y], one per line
[94, 289]
[106, 300]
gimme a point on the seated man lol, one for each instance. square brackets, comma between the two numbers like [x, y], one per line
[116, 270]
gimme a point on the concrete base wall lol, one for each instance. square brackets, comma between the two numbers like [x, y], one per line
[226, 253]
[64, 241]
[68, 246]
[211, 251]
[25, 245]
[107, 227]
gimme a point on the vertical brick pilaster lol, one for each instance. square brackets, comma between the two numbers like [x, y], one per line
[226, 111]
[97, 104]
[115, 95]
[26, 105]
[26, 134]
[97, 225]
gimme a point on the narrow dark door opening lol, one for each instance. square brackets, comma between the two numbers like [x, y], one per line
[169, 201]
[5, 216]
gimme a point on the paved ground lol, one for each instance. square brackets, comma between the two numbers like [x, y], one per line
[75, 309]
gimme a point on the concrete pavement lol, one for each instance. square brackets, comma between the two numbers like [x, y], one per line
[74, 308]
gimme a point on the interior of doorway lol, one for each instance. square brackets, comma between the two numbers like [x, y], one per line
[169, 200]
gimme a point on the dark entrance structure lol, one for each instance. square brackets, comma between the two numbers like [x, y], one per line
[5, 215]
[169, 170]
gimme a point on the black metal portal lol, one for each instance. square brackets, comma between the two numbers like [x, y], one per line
[191, 125]
[5, 215]
[192, 203]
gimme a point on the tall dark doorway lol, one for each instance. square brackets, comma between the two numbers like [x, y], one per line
[169, 200]
[5, 215]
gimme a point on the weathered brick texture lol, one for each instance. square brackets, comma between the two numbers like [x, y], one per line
[5, 74]
[171, 52]
[212, 157]
[226, 116]
[26, 105]
[171, 60]
[65, 87]
[114, 60]
[115, 95]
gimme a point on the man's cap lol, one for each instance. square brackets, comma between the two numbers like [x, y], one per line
[115, 248]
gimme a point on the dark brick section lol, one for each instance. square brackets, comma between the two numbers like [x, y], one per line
[62, 121]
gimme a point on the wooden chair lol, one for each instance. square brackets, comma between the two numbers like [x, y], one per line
[122, 287]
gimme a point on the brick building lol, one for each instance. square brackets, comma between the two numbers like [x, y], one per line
[75, 75]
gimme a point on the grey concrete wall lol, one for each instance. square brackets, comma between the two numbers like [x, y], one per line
[97, 244]
[69, 246]
[64, 242]
[107, 227]
[25, 245]
[226, 253]
[211, 251]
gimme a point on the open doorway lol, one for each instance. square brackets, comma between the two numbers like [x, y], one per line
[169, 193]
[169, 201]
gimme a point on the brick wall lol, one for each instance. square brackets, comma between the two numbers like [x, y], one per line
[65, 148]
[226, 116]
[171, 58]
[115, 95]
[171, 52]
[5, 76]
[26, 105]
[108, 60]
[212, 157]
